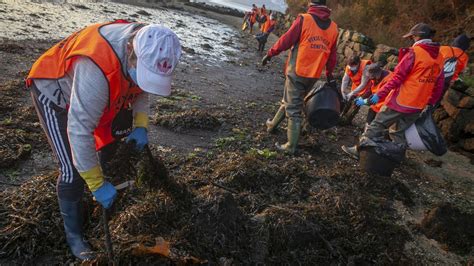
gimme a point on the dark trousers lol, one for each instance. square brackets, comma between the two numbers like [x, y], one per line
[370, 116]
[296, 89]
[388, 118]
[53, 119]
[262, 40]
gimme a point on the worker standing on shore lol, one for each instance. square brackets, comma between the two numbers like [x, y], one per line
[91, 90]
[455, 59]
[267, 28]
[262, 17]
[253, 17]
[355, 73]
[313, 40]
[263, 11]
[417, 83]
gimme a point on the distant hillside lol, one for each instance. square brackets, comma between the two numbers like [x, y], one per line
[387, 20]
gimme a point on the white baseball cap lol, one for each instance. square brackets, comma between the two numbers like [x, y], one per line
[158, 51]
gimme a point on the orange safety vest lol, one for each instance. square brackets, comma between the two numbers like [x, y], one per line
[376, 87]
[253, 16]
[314, 47]
[462, 58]
[416, 90]
[268, 24]
[357, 77]
[88, 42]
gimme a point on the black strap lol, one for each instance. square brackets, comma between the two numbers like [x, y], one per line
[452, 50]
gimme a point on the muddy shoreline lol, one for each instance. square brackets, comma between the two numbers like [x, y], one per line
[314, 208]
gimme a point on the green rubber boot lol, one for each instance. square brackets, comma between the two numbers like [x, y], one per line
[279, 116]
[294, 128]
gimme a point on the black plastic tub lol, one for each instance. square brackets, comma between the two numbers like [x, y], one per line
[374, 163]
[323, 107]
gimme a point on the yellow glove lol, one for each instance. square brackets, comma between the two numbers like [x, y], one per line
[140, 120]
[94, 178]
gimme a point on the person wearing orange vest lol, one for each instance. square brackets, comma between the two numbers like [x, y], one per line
[90, 91]
[253, 17]
[313, 41]
[267, 28]
[417, 84]
[263, 10]
[457, 53]
[355, 73]
[378, 77]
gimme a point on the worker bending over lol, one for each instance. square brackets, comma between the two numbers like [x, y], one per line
[417, 83]
[355, 73]
[378, 77]
[91, 90]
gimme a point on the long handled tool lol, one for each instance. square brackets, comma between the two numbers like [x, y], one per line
[108, 239]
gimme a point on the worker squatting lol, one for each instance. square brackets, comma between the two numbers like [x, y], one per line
[91, 91]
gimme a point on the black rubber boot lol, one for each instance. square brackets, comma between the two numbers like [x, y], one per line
[71, 212]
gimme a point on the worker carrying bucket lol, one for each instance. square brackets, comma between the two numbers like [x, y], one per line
[416, 85]
[313, 42]
[90, 91]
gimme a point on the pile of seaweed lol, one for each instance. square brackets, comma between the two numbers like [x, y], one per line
[230, 207]
[20, 130]
[190, 119]
[30, 222]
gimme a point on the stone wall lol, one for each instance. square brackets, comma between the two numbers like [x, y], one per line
[455, 117]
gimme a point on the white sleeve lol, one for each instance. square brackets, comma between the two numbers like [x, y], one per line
[345, 83]
[363, 82]
[142, 103]
[89, 98]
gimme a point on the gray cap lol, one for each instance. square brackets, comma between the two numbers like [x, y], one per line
[422, 30]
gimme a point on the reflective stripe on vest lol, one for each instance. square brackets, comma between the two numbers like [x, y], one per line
[357, 77]
[89, 42]
[416, 90]
[314, 47]
[376, 87]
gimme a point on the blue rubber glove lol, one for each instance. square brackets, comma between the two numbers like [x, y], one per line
[140, 136]
[105, 195]
[359, 101]
[374, 99]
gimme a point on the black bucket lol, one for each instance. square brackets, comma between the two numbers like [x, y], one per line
[374, 163]
[323, 107]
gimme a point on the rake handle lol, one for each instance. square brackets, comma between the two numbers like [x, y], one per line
[108, 239]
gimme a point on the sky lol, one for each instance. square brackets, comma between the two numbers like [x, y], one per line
[278, 5]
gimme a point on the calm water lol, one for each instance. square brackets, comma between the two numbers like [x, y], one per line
[56, 19]
[278, 5]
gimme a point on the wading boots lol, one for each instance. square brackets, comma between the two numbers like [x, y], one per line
[273, 123]
[293, 133]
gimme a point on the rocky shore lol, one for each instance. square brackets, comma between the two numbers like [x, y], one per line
[232, 198]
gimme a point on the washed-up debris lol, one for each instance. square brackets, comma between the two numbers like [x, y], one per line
[30, 222]
[448, 225]
[191, 119]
